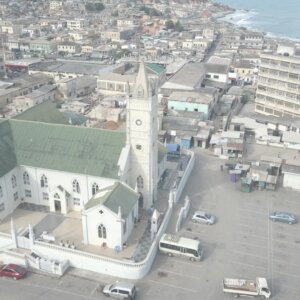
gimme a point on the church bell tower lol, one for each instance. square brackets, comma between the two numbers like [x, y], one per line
[142, 137]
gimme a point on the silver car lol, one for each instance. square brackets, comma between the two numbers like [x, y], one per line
[203, 217]
[284, 217]
[120, 289]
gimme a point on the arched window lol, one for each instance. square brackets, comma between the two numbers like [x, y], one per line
[76, 186]
[56, 196]
[26, 178]
[1, 192]
[140, 182]
[101, 231]
[95, 188]
[13, 181]
[44, 181]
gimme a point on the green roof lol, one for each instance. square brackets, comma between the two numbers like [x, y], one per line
[44, 112]
[58, 147]
[155, 68]
[115, 196]
[8, 158]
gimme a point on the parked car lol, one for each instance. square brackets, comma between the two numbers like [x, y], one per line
[13, 271]
[123, 290]
[284, 217]
[203, 217]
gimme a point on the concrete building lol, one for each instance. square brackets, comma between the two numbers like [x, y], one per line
[278, 89]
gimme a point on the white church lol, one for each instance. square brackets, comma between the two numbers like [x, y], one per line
[105, 175]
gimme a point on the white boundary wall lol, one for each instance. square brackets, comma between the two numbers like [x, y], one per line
[186, 174]
[183, 213]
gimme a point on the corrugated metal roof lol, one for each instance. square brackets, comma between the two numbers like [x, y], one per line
[8, 158]
[115, 196]
[59, 147]
[44, 112]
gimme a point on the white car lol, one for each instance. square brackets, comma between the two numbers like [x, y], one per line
[203, 217]
[120, 289]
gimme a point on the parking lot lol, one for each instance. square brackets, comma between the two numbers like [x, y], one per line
[242, 244]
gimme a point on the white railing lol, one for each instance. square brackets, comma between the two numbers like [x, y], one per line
[103, 264]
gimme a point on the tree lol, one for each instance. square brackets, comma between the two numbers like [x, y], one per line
[94, 7]
[170, 24]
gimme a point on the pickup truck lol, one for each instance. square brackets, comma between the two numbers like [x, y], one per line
[244, 287]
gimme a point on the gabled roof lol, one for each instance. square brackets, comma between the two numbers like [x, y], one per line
[58, 147]
[115, 196]
[44, 112]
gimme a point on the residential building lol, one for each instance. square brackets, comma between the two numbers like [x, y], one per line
[278, 87]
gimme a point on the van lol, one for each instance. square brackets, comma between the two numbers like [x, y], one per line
[120, 289]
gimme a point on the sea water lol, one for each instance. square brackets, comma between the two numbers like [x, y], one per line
[274, 17]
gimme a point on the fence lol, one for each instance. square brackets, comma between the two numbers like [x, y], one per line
[103, 264]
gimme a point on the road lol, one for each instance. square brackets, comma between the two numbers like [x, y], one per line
[243, 243]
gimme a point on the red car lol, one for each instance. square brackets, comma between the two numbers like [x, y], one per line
[14, 271]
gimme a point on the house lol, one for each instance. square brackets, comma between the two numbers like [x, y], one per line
[291, 174]
[68, 47]
[202, 100]
[42, 46]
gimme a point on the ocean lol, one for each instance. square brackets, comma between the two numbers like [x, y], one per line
[274, 17]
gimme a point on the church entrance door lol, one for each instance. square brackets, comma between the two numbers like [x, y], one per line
[141, 201]
[57, 205]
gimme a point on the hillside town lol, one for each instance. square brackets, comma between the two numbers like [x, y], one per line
[123, 125]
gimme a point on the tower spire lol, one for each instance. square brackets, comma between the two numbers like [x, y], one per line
[141, 89]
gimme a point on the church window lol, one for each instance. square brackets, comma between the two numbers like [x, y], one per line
[1, 192]
[101, 231]
[140, 182]
[44, 181]
[76, 201]
[140, 91]
[2, 207]
[45, 196]
[28, 193]
[76, 186]
[56, 196]
[13, 181]
[16, 196]
[138, 147]
[26, 178]
[95, 188]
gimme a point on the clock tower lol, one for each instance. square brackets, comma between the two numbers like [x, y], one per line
[142, 137]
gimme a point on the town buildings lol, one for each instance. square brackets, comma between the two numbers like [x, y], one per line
[278, 87]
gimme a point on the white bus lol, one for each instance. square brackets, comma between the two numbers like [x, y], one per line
[180, 246]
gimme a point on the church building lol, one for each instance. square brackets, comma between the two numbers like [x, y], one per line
[105, 175]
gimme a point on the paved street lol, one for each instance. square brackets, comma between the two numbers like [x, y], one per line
[243, 244]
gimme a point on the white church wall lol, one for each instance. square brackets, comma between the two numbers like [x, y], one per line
[100, 215]
[11, 195]
[130, 222]
[56, 178]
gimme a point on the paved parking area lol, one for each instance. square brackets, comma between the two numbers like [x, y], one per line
[243, 243]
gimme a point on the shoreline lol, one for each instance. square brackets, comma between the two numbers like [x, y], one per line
[232, 11]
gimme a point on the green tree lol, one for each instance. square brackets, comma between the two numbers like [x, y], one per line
[94, 7]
